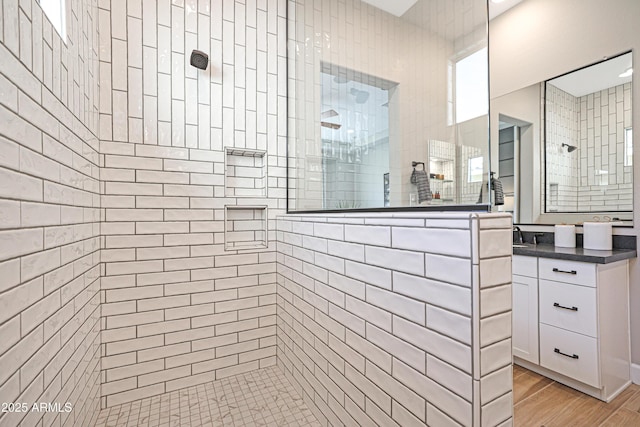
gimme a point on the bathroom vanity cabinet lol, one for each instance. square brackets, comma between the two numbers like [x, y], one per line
[571, 322]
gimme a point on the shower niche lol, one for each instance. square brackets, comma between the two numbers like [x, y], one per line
[245, 172]
[245, 227]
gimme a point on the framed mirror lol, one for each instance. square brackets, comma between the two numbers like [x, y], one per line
[587, 139]
[534, 42]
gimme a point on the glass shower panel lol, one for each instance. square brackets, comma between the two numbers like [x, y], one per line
[375, 87]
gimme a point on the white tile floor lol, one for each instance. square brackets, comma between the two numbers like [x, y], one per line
[258, 398]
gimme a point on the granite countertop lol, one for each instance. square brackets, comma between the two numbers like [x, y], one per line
[575, 254]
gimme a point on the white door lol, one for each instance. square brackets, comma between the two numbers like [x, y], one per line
[525, 318]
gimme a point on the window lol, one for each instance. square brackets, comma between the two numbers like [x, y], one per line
[475, 169]
[471, 86]
[56, 11]
[628, 147]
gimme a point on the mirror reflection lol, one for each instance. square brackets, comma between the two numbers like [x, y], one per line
[588, 147]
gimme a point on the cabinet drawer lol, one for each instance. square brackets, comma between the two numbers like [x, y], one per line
[570, 354]
[570, 307]
[525, 265]
[580, 273]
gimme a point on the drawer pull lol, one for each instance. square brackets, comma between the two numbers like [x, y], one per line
[555, 304]
[557, 270]
[574, 356]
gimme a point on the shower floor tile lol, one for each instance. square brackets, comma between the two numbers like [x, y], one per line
[258, 398]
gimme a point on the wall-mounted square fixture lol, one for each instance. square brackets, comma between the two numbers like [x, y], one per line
[245, 172]
[245, 227]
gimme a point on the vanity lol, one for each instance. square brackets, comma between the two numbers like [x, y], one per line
[571, 316]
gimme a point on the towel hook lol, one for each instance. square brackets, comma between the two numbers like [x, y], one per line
[414, 164]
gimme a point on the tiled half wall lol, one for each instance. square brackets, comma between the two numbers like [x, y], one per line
[397, 319]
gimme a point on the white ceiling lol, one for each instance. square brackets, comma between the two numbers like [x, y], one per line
[496, 9]
[394, 7]
[400, 7]
[602, 75]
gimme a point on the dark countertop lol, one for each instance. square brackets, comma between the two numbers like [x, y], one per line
[575, 254]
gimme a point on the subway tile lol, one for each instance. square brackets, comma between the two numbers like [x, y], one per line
[495, 328]
[133, 345]
[406, 261]
[374, 393]
[501, 409]
[369, 313]
[494, 243]
[162, 278]
[135, 394]
[368, 274]
[450, 324]
[134, 319]
[118, 268]
[495, 356]
[433, 240]
[495, 271]
[495, 300]
[329, 231]
[368, 235]
[445, 295]
[451, 351]
[19, 298]
[496, 384]
[37, 313]
[402, 394]
[435, 394]
[448, 269]
[351, 251]
[364, 347]
[158, 353]
[14, 185]
[397, 304]
[450, 377]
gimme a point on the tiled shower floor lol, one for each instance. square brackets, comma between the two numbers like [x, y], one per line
[258, 398]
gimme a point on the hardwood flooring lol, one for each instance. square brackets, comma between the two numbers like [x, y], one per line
[542, 402]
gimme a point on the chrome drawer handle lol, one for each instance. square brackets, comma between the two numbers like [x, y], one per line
[557, 270]
[555, 304]
[574, 356]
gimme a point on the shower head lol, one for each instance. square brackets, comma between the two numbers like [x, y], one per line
[199, 59]
[570, 148]
[361, 96]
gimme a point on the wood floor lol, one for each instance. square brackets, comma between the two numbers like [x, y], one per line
[540, 401]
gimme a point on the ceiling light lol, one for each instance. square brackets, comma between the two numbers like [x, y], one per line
[497, 1]
[627, 73]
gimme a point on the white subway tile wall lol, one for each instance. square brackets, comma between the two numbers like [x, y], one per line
[189, 291]
[49, 214]
[403, 342]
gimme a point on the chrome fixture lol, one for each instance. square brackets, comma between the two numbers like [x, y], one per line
[520, 236]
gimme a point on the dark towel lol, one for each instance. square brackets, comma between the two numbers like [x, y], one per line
[421, 180]
[498, 196]
[498, 191]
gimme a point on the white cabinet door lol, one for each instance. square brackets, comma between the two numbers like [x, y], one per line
[525, 318]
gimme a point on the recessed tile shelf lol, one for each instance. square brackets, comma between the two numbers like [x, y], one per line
[245, 172]
[245, 227]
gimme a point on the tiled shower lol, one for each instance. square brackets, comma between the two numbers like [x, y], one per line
[148, 263]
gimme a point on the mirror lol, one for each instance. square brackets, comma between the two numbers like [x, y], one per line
[588, 147]
[546, 180]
